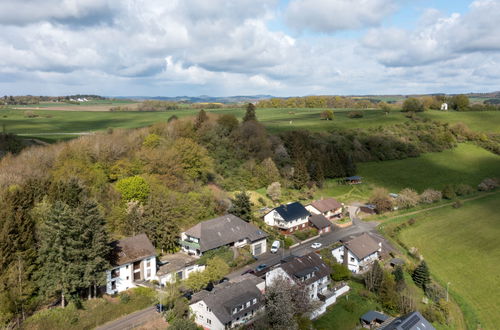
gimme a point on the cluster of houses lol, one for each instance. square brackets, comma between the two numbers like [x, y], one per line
[239, 300]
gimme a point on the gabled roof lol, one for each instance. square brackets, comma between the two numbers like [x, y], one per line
[292, 211]
[411, 321]
[228, 295]
[319, 221]
[131, 249]
[327, 204]
[362, 246]
[371, 316]
[224, 230]
[301, 266]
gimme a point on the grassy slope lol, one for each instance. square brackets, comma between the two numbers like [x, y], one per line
[275, 119]
[460, 246]
[467, 164]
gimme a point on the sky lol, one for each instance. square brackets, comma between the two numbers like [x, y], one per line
[248, 47]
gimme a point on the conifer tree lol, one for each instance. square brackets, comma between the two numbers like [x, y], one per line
[200, 119]
[250, 113]
[60, 254]
[374, 277]
[399, 277]
[242, 206]
[160, 224]
[300, 176]
[421, 275]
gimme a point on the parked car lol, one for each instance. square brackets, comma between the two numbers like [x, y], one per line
[275, 247]
[160, 308]
[316, 245]
[248, 271]
[260, 267]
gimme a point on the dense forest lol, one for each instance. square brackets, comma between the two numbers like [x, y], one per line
[61, 204]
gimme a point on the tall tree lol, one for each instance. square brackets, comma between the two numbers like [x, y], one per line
[250, 113]
[60, 254]
[300, 175]
[161, 225]
[421, 275]
[241, 206]
[94, 240]
[201, 117]
[374, 277]
[399, 277]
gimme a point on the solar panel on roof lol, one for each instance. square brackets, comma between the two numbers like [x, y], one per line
[411, 322]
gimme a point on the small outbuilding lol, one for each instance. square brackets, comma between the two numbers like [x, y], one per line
[396, 262]
[372, 319]
[322, 224]
[353, 179]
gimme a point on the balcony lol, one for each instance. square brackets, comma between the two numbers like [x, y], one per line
[190, 244]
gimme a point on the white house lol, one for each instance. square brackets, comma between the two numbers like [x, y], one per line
[228, 230]
[177, 266]
[133, 260]
[230, 304]
[444, 106]
[358, 253]
[311, 271]
[330, 208]
[288, 217]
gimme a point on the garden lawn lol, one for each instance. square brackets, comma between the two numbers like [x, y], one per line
[94, 312]
[480, 121]
[466, 163]
[346, 312]
[461, 247]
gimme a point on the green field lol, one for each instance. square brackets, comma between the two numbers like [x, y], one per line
[461, 247]
[52, 122]
[466, 163]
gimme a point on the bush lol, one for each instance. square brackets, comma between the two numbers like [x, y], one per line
[458, 204]
[355, 114]
[430, 196]
[381, 199]
[463, 190]
[488, 184]
[407, 198]
[288, 242]
[449, 192]
[340, 272]
[413, 105]
[124, 298]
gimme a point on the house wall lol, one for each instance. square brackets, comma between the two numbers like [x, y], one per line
[274, 219]
[125, 280]
[353, 263]
[204, 317]
[172, 277]
[262, 243]
[312, 209]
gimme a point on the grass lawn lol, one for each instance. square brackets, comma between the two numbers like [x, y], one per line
[94, 312]
[346, 312]
[461, 247]
[467, 164]
[481, 121]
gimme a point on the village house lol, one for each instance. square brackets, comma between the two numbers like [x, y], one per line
[228, 230]
[288, 217]
[229, 304]
[329, 207]
[322, 224]
[177, 266]
[358, 253]
[311, 271]
[410, 321]
[133, 260]
[372, 319]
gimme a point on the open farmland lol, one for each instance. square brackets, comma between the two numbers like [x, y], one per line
[466, 164]
[460, 247]
[91, 117]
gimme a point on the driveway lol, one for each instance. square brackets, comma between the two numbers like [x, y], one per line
[358, 227]
[134, 320]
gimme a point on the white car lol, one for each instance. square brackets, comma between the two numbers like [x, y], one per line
[275, 247]
[316, 245]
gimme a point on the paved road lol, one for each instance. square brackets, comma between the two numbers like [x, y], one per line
[131, 321]
[358, 227]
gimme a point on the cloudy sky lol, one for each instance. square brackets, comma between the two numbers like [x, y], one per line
[247, 47]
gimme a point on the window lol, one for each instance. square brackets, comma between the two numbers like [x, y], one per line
[235, 310]
[115, 273]
[148, 273]
[209, 321]
[113, 285]
[352, 259]
[148, 264]
[126, 267]
[248, 304]
[254, 301]
[128, 277]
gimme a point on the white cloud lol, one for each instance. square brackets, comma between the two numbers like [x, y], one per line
[334, 15]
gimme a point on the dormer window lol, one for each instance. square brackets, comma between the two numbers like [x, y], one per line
[248, 304]
[254, 301]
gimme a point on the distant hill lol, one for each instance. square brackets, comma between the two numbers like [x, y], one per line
[202, 98]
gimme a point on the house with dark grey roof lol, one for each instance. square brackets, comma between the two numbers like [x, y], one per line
[133, 260]
[329, 207]
[227, 230]
[411, 321]
[230, 304]
[359, 253]
[288, 217]
[322, 224]
[372, 319]
[312, 272]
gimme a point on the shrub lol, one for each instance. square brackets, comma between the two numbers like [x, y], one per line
[413, 105]
[288, 242]
[449, 192]
[381, 199]
[133, 188]
[457, 204]
[407, 198]
[355, 114]
[340, 272]
[488, 184]
[430, 196]
[30, 114]
[463, 190]
[124, 298]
